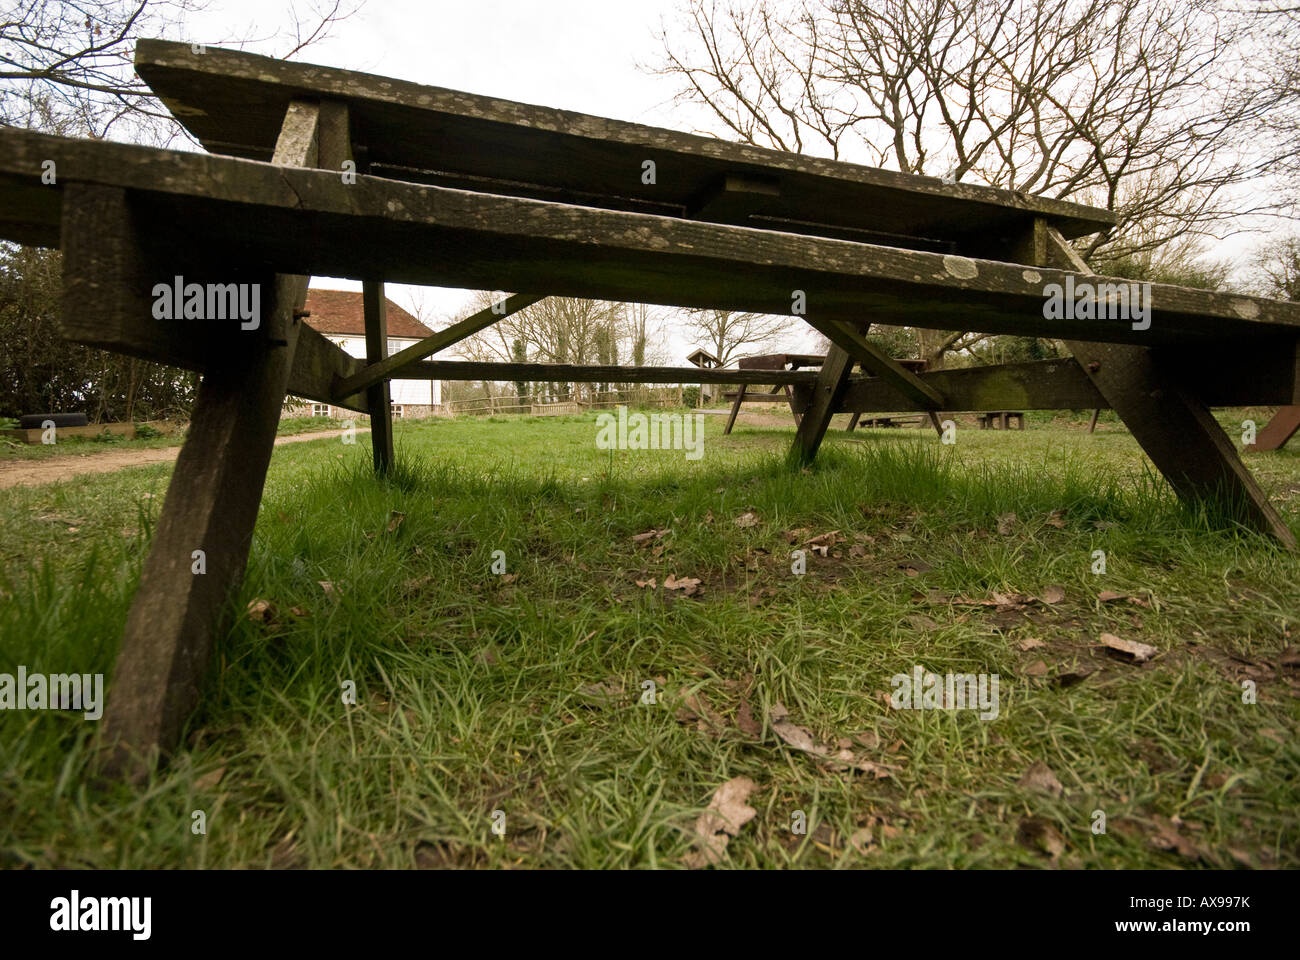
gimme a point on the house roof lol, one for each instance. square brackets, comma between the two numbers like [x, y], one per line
[702, 354]
[340, 312]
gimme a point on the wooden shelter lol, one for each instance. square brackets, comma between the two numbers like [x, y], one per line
[313, 170]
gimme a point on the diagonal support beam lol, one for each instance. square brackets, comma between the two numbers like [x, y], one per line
[1175, 429]
[1279, 430]
[384, 369]
[831, 381]
[877, 362]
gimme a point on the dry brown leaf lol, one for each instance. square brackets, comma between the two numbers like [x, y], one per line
[1041, 836]
[1007, 524]
[801, 739]
[395, 519]
[688, 585]
[1056, 519]
[747, 519]
[651, 583]
[1108, 596]
[328, 587]
[747, 722]
[827, 539]
[862, 840]
[1130, 650]
[1036, 669]
[260, 611]
[651, 534]
[1031, 643]
[1053, 594]
[1039, 777]
[726, 814]
[210, 779]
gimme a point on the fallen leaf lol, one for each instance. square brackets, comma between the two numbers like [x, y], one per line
[1108, 596]
[747, 519]
[509, 577]
[1056, 519]
[1006, 524]
[328, 587]
[858, 550]
[688, 585]
[1036, 669]
[862, 840]
[1039, 777]
[828, 539]
[801, 739]
[1031, 643]
[726, 814]
[1129, 650]
[260, 611]
[1053, 594]
[747, 722]
[210, 779]
[650, 534]
[395, 519]
[651, 583]
[1041, 836]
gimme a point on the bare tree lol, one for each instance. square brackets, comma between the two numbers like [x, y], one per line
[1142, 107]
[65, 65]
[728, 334]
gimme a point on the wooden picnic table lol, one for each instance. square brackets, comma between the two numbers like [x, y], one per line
[317, 171]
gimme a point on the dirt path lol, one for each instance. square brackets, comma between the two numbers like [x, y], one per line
[14, 473]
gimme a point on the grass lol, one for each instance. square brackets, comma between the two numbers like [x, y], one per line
[522, 693]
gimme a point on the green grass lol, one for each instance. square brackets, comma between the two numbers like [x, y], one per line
[477, 694]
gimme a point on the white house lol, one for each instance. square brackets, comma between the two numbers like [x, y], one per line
[340, 316]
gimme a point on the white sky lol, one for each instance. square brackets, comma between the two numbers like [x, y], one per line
[583, 55]
[578, 55]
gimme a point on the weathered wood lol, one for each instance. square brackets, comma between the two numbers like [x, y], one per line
[1092, 421]
[458, 331]
[826, 393]
[853, 421]
[874, 360]
[200, 545]
[735, 408]
[1033, 385]
[1281, 428]
[379, 227]
[588, 373]
[378, 397]
[232, 101]
[318, 365]
[1174, 429]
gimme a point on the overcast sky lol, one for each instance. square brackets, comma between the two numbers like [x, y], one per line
[583, 55]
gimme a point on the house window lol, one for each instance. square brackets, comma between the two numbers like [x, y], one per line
[320, 409]
[397, 411]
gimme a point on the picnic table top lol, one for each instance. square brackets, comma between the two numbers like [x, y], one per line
[234, 102]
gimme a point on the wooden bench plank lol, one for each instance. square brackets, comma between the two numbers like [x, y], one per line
[377, 227]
